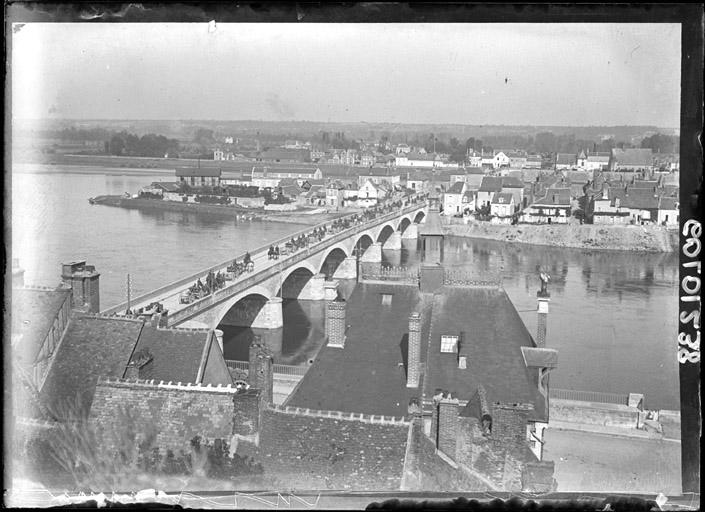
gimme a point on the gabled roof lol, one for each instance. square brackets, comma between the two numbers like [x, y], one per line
[555, 197]
[457, 188]
[492, 337]
[167, 186]
[512, 182]
[599, 157]
[491, 184]
[566, 159]
[33, 314]
[307, 452]
[92, 347]
[188, 172]
[668, 203]
[642, 157]
[177, 353]
[502, 198]
[578, 177]
[641, 198]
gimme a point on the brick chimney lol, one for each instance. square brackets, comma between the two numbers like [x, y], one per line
[414, 351]
[444, 424]
[335, 322]
[140, 365]
[261, 372]
[84, 282]
[509, 422]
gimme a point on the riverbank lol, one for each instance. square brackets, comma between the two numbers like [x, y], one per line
[296, 217]
[586, 236]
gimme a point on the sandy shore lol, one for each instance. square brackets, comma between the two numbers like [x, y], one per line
[586, 236]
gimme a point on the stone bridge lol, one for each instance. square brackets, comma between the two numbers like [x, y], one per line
[255, 299]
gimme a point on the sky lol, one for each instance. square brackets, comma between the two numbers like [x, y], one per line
[511, 74]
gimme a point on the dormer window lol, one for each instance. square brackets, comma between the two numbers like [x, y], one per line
[449, 344]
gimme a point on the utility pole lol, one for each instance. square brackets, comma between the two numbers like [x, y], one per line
[129, 291]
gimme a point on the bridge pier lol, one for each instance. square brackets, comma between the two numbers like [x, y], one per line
[330, 290]
[373, 254]
[314, 289]
[270, 316]
[393, 243]
[411, 232]
[347, 269]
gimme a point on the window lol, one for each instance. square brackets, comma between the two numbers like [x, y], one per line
[462, 362]
[386, 299]
[449, 344]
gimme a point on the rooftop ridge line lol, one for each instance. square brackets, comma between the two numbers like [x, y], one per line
[187, 386]
[340, 415]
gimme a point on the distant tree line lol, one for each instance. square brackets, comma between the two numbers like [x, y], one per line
[660, 143]
[129, 144]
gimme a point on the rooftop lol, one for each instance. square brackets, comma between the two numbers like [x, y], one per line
[457, 188]
[33, 314]
[491, 184]
[368, 375]
[177, 353]
[92, 347]
[502, 198]
[492, 337]
[566, 159]
[188, 172]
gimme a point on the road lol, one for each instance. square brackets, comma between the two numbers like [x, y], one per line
[589, 462]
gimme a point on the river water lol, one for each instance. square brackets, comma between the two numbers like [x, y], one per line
[613, 315]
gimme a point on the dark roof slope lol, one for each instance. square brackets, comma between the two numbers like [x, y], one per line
[188, 172]
[368, 375]
[33, 314]
[491, 184]
[493, 334]
[305, 452]
[566, 159]
[92, 347]
[457, 188]
[177, 354]
[512, 182]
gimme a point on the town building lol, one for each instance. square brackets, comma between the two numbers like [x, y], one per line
[496, 161]
[198, 177]
[335, 193]
[533, 162]
[515, 187]
[379, 175]
[489, 187]
[631, 160]
[517, 159]
[566, 161]
[474, 158]
[453, 199]
[629, 205]
[284, 155]
[370, 193]
[553, 208]
[502, 208]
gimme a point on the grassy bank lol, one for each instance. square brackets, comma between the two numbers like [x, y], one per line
[619, 238]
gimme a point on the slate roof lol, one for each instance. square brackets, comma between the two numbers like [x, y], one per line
[177, 353]
[491, 184]
[555, 197]
[188, 172]
[639, 198]
[668, 203]
[474, 170]
[578, 177]
[493, 334]
[601, 158]
[167, 187]
[368, 375]
[566, 159]
[502, 198]
[33, 313]
[92, 347]
[639, 157]
[457, 188]
[512, 182]
[649, 184]
[304, 452]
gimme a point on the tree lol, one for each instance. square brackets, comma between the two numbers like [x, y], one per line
[660, 143]
[116, 145]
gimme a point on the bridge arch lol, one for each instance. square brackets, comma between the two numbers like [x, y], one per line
[405, 223]
[385, 232]
[295, 279]
[332, 260]
[419, 216]
[363, 242]
[243, 308]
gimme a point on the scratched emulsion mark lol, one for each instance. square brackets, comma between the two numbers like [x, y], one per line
[16, 27]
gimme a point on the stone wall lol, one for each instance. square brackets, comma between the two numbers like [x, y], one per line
[174, 413]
